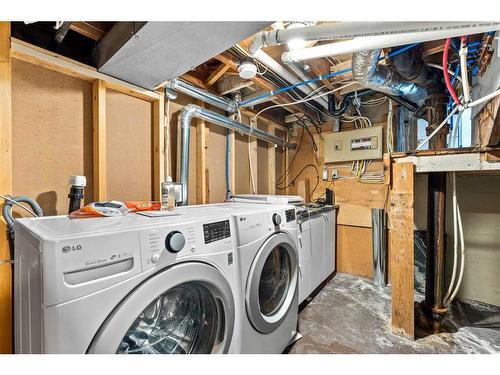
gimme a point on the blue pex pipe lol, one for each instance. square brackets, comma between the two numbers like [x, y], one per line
[319, 78]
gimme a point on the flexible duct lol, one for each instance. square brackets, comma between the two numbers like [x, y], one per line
[411, 66]
[193, 111]
[368, 73]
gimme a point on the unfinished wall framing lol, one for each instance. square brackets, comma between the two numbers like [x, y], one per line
[69, 119]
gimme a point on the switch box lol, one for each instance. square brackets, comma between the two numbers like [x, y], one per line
[357, 144]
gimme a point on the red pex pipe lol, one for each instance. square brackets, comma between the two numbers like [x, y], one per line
[445, 72]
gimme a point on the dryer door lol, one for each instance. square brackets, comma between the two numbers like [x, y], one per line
[188, 308]
[272, 283]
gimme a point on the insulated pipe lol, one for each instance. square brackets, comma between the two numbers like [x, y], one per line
[193, 111]
[344, 30]
[203, 95]
[384, 41]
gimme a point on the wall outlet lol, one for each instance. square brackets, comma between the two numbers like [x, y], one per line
[335, 174]
[325, 174]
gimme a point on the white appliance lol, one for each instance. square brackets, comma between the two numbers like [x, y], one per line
[130, 284]
[267, 255]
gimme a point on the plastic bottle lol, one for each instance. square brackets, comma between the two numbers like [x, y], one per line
[168, 195]
[75, 195]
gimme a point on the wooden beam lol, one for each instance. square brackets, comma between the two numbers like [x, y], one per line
[401, 254]
[219, 72]
[232, 83]
[99, 140]
[271, 163]
[201, 159]
[487, 124]
[158, 146]
[5, 187]
[88, 30]
[261, 82]
[53, 61]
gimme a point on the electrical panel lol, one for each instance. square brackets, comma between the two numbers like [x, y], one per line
[357, 144]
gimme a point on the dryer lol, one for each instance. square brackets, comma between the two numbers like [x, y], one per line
[267, 255]
[130, 284]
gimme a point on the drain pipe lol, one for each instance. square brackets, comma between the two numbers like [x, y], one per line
[192, 111]
[386, 41]
[347, 30]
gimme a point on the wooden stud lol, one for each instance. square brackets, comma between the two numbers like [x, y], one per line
[214, 77]
[401, 245]
[201, 159]
[158, 146]
[252, 154]
[99, 140]
[53, 61]
[5, 187]
[88, 30]
[232, 160]
[271, 164]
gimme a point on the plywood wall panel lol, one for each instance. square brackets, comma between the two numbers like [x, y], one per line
[52, 134]
[128, 147]
[216, 164]
[354, 251]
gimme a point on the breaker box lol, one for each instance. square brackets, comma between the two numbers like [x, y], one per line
[358, 144]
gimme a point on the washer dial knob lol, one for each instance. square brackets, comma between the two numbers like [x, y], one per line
[276, 219]
[175, 241]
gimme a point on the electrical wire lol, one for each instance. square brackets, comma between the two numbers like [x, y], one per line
[302, 100]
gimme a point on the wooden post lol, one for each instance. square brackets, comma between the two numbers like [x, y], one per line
[401, 245]
[232, 160]
[252, 154]
[271, 164]
[158, 146]
[5, 187]
[99, 140]
[201, 160]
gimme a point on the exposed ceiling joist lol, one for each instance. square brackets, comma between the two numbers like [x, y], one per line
[216, 75]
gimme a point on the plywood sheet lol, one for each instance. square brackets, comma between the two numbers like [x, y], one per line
[52, 135]
[128, 148]
[354, 251]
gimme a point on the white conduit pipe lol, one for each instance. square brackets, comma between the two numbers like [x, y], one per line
[455, 237]
[383, 41]
[462, 257]
[463, 70]
[347, 30]
[272, 64]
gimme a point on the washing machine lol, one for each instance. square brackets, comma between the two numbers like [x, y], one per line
[267, 255]
[130, 284]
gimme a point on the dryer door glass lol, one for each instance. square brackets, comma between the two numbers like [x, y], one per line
[184, 319]
[274, 280]
[271, 290]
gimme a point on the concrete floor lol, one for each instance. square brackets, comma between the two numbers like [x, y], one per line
[351, 315]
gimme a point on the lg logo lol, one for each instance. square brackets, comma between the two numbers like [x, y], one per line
[243, 218]
[66, 249]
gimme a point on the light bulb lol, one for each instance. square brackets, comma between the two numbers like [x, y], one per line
[297, 43]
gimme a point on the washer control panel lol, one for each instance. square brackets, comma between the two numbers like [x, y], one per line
[290, 215]
[216, 231]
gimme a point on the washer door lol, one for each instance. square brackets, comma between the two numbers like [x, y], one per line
[188, 308]
[272, 283]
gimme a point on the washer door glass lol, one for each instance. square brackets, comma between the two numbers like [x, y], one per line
[274, 280]
[185, 319]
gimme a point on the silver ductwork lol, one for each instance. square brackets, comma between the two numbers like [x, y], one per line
[203, 95]
[368, 73]
[192, 111]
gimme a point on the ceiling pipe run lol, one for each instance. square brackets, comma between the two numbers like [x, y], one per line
[205, 96]
[192, 111]
[345, 30]
[386, 41]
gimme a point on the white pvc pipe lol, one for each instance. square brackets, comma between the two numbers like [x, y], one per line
[464, 74]
[272, 64]
[344, 30]
[384, 41]
[455, 238]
